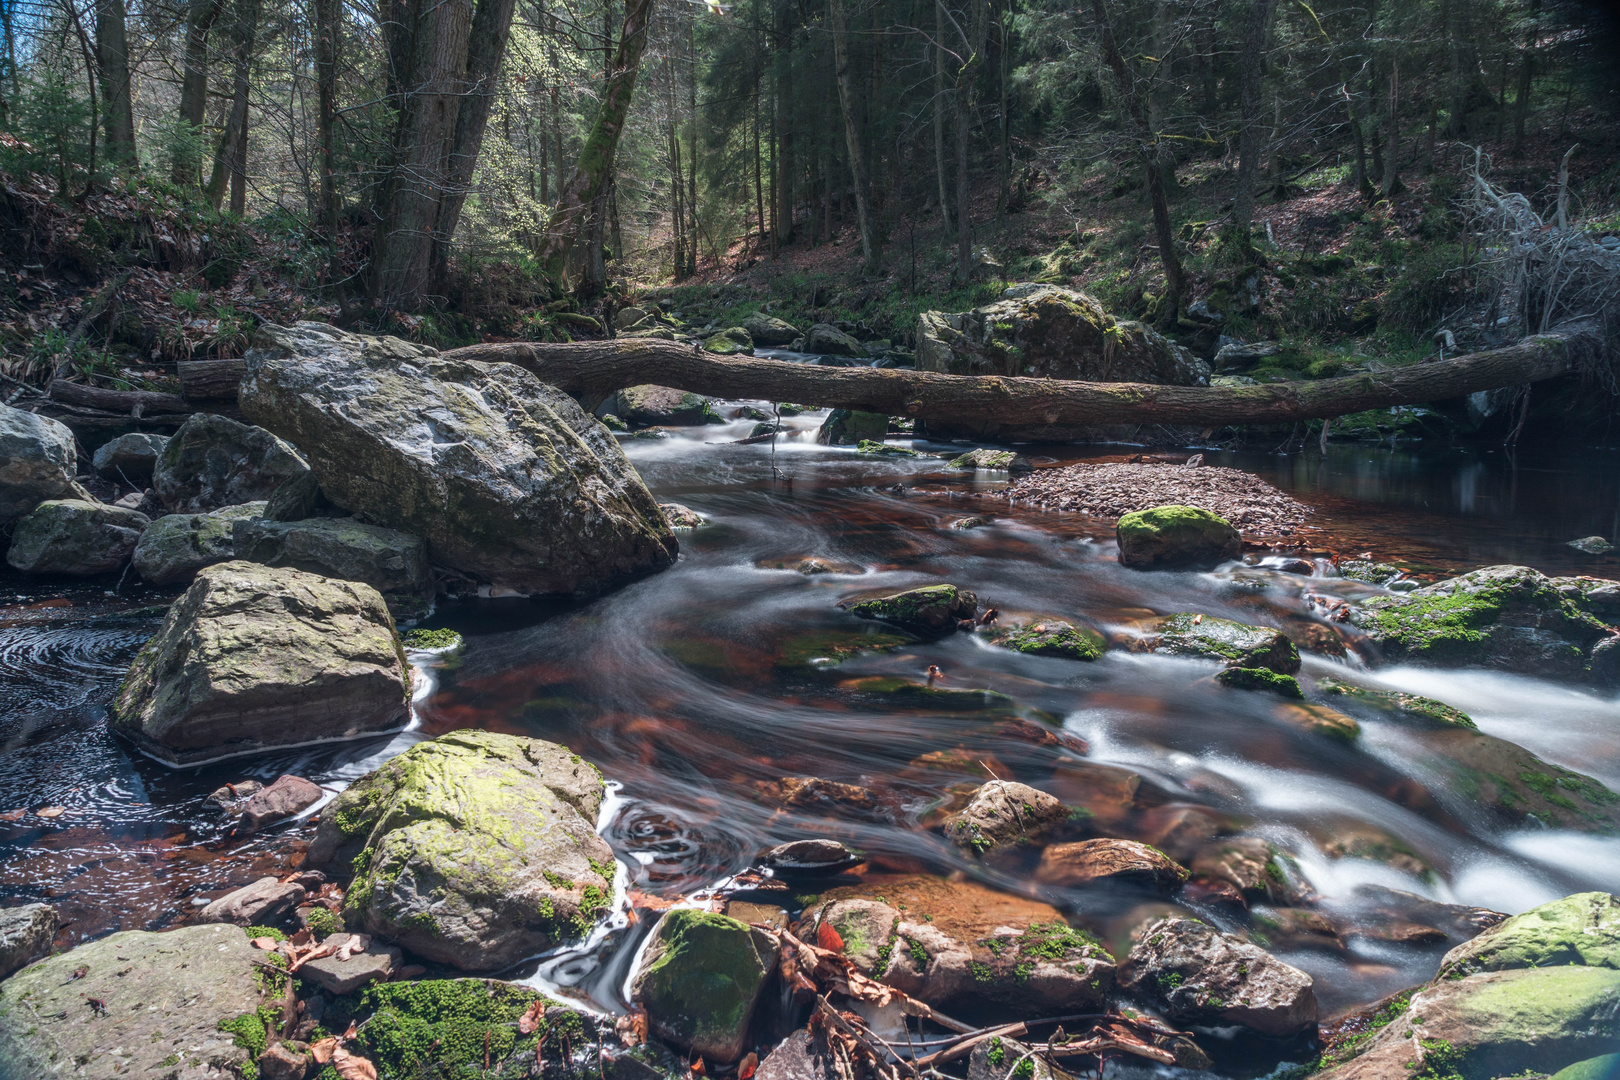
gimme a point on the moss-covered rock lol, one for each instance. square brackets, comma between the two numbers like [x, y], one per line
[1235, 644]
[987, 460]
[931, 609]
[1369, 571]
[868, 446]
[1319, 719]
[463, 1028]
[1582, 929]
[174, 547]
[767, 330]
[214, 461]
[912, 694]
[821, 649]
[1408, 707]
[1249, 678]
[1507, 617]
[845, 426]
[72, 536]
[1167, 536]
[700, 979]
[475, 849]
[828, 340]
[1199, 975]
[732, 341]
[1002, 813]
[1512, 786]
[1599, 1068]
[253, 657]
[392, 562]
[1052, 637]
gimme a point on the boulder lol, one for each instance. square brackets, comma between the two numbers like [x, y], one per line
[1511, 618]
[1248, 863]
[283, 1062]
[828, 340]
[646, 405]
[475, 849]
[1168, 536]
[175, 546]
[1583, 929]
[680, 517]
[25, 935]
[700, 979]
[37, 462]
[1510, 786]
[1231, 643]
[253, 657]
[931, 609]
[987, 460]
[732, 341]
[214, 461]
[1200, 975]
[289, 795]
[72, 536]
[182, 1001]
[504, 476]
[1264, 679]
[371, 962]
[1605, 1067]
[263, 903]
[1052, 637]
[393, 563]
[1002, 813]
[1109, 862]
[1409, 708]
[815, 858]
[844, 426]
[297, 499]
[628, 316]
[131, 458]
[768, 330]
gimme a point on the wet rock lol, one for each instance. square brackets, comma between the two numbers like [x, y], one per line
[71, 536]
[287, 796]
[816, 795]
[811, 565]
[475, 849]
[263, 903]
[1591, 545]
[1180, 830]
[733, 341]
[1407, 707]
[999, 1058]
[1352, 839]
[131, 458]
[1052, 637]
[700, 980]
[1232, 643]
[163, 998]
[228, 799]
[26, 932]
[1002, 813]
[1170, 536]
[1513, 786]
[868, 446]
[299, 498]
[1456, 921]
[822, 649]
[810, 858]
[393, 563]
[844, 427]
[828, 340]
[37, 462]
[1320, 720]
[175, 546]
[798, 1057]
[1249, 863]
[504, 476]
[986, 460]
[931, 609]
[767, 914]
[1248, 678]
[1583, 929]
[1202, 976]
[374, 962]
[680, 517]
[214, 461]
[283, 1061]
[1294, 928]
[1511, 618]
[865, 930]
[764, 329]
[1109, 793]
[1238, 356]
[253, 657]
[919, 695]
[1109, 862]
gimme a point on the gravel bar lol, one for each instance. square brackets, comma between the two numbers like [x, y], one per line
[1113, 490]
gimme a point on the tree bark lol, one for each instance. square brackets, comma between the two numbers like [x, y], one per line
[600, 368]
[784, 113]
[1252, 64]
[112, 58]
[569, 219]
[328, 34]
[187, 165]
[1392, 157]
[940, 155]
[973, 41]
[233, 143]
[871, 257]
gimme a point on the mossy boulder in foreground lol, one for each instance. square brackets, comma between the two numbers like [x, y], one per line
[475, 849]
[1512, 786]
[930, 609]
[254, 657]
[1168, 536]
[700, 980]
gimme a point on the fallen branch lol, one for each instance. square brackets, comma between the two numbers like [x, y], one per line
[599, 368]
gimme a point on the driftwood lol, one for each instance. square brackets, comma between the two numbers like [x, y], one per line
[595, 369]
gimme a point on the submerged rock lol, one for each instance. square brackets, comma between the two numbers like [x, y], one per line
[71, 536]
[175, 546]
[1109, 862]
[1591, 545]
[931, 609]
[1252, 865]
[1408, 707]
[393, 563]
[700, 980]
[1171, 536]
[1052, 637]
[253, 657]
[131, 458]
[1002, 813]
[1513, 786]
[475, 849]
[1235, 644]
[1202, 976]
[37, 462]
[183, 998]
[504, 476]
[214, 461]
[25, 935]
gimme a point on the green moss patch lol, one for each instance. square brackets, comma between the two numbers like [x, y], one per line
[452, 1027]
[441, 638]
[1405, 706]
[829, 648]
[867, 446]
[1053, 638]
[1246, 678]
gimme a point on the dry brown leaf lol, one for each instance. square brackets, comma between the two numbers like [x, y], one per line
[12, 815]
[632, 1028]
[51, 811]
[268, 944]
[353, 1066]
[747, 1066]
[530, 1020]
[323, 1050]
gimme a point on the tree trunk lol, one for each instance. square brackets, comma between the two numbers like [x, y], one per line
[595, 164]
[231, 153]
[692, 142]
[871, 257]
[1527, 67]
[1392, 175]
[112, 58]
[1003, 149]
[328, 36]
[599, 368]
[1251, 69]
[977, 32]
[940, 156]
[186, 167]
[784, 114]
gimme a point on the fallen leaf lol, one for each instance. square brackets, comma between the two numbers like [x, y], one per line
[51, 811]
[12, 815]
[323, 1050]
[698, 1068]
[827, 938]
[353, 1066]
[268, 944]
[353, 1027]
[748, 1065]
[302, 937]
[81, 971]
[632, 1028]
[530, 1020]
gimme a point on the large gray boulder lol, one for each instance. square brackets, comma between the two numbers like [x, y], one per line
[166, 1005]
[254, 657]
[504, 476]
[1200, 975]
[475, 849]
[25, 935]
[647, 405]
[175, 546]
[130, 457]
[37, 462]
[393, 563]
[828, 340]
[768, 330]
[73, 536]
[214, 461]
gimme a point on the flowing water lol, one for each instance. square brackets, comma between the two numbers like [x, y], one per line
[698, 689]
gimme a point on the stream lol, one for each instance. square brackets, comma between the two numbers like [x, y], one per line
[698, 689]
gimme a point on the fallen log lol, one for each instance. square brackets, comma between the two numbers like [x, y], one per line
[598, 368]
[205, 379]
